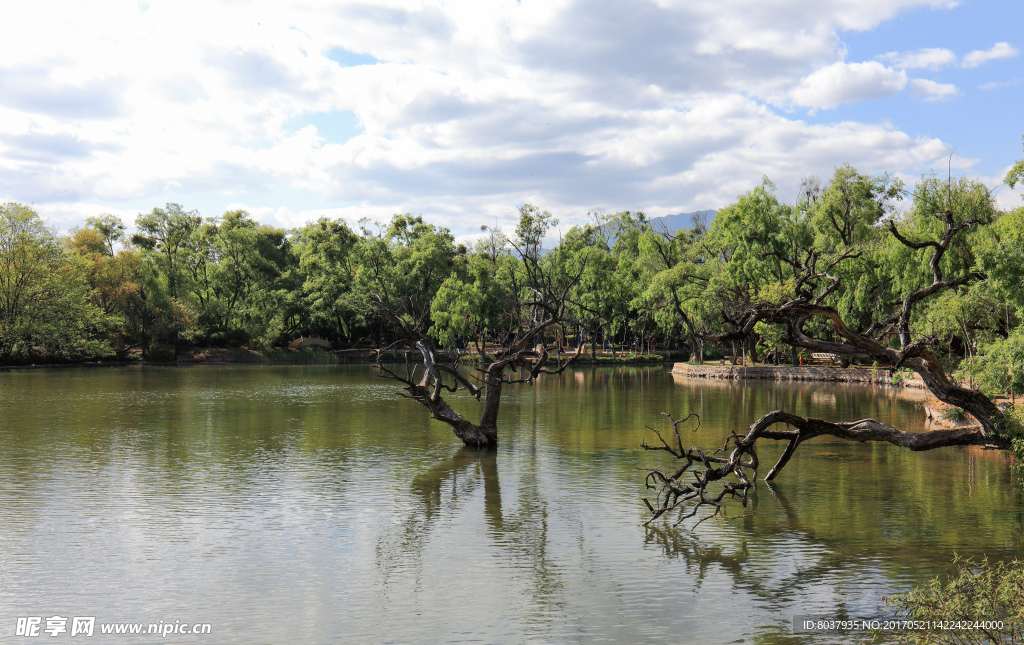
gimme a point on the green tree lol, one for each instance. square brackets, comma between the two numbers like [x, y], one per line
[596, 308]
[400, 271]
[469, 305]
[988, 593]
[847, 212]
[168, 232]
[677, 277]
[631, 271]
[930, 258]
[753, 247]
[110, 228]
[44, 297]
[1000, 254]
[1015, 174]
[113, 276]
[845, 220]
[1000, 369]
[963, 204]
[326, 262]
[166, 239]
[530, 231]
[242, 264]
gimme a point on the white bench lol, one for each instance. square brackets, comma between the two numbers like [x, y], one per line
[822, 357]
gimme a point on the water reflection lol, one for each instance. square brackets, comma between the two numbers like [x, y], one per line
[519, 536]
[313, 504]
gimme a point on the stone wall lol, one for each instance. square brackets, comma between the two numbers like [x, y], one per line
[789, 373]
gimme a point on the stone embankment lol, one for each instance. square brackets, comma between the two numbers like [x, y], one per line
[938, 414]
[790, 373]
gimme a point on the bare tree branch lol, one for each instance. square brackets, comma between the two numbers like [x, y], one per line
[689, 487]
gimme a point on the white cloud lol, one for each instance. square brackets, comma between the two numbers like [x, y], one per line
[994, 85]
[932, 59]
[473, 108]
[699, 154]
[841, 83]
[65, 216]
[980, 57]
[1006, 198]
[932, 91]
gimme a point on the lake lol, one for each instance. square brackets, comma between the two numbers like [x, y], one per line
[313, 504]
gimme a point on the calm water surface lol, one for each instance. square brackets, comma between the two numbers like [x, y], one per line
[315, 505]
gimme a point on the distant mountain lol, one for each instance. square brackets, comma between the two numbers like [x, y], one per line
[670, 224]
[676, 223]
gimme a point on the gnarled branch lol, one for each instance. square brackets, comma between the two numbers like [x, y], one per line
[688, 489]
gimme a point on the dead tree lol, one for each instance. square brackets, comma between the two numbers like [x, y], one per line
[537, 304]
[708, 477]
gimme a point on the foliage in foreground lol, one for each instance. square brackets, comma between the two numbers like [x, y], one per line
[979, 591]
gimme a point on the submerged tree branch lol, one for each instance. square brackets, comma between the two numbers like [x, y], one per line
[689, 488]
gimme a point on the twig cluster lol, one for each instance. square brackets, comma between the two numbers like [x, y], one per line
[672, 491]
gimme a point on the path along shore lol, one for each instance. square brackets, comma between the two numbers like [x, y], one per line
[790, 373]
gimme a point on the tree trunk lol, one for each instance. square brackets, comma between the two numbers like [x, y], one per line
[476, 436]
[752, 349]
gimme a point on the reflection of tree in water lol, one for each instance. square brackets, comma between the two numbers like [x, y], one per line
[783, 570]
[440, 492]
[697, 556]
[777, 571]
[784, 561]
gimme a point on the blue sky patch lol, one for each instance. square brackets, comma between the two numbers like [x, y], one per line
[346, 58]
[335, 127]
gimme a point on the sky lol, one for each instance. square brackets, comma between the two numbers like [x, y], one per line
[462, 110]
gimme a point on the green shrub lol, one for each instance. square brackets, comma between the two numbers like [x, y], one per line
[979, 591]
[954, 414]
[160, 352]
[997, 370]
[1013, 427]
[1018, 465]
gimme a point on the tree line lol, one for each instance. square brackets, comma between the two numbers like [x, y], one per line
[184, 280]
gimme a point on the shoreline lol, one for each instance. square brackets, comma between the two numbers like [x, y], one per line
[791, 373]
[282, 356]
[909, 384]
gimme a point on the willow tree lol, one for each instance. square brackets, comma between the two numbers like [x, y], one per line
[325, 261]
[744, 249]
[931, 236]
[413, 274]
[676, 283]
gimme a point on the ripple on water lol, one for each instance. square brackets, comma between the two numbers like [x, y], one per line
[312, 505]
